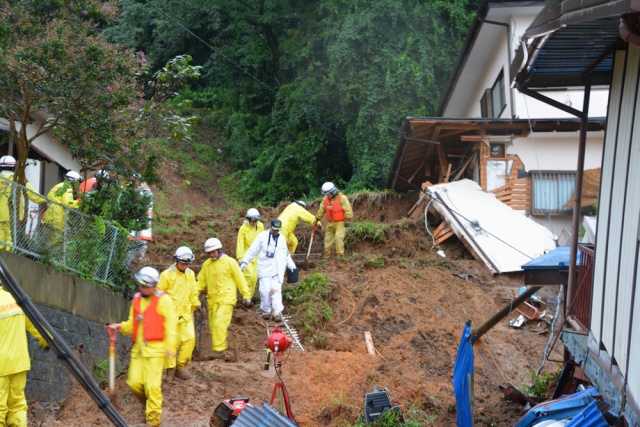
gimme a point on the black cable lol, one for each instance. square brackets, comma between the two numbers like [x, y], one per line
[427, 192]
[59, 346]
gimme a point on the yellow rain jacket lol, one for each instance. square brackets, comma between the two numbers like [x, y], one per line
[5, 195]
[183, 290]
[221, 278]
[13, 339]
[148, 358]
[54, 216]
[290, 217]
[246, 235]
[14, 360]
[154, 348]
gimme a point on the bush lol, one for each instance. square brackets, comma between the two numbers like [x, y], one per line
[309, 300]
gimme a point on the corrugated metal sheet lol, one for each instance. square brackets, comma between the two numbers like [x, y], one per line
[267, 416]
[604, 205]
[463, 379]
[591, 416]
[559, 409]
[629, 255]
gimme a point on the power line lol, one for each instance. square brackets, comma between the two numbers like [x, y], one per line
[476, 226]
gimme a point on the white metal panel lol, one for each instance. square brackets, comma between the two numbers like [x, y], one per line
[602, 236]
[502, 237]
[628, 253]
[618, 194]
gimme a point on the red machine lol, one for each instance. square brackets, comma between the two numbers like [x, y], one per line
[229, 410]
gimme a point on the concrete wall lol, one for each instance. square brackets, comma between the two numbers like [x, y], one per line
[78, 311]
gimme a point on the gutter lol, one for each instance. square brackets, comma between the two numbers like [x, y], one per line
[628, 28]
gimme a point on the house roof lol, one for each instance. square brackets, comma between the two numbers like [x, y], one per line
[570, 39]
[418, 133]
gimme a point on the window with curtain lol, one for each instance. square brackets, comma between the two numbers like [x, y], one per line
[551, 191]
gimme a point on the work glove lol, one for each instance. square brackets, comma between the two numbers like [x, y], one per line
[243, 266]
[248, 303]
[346, 222]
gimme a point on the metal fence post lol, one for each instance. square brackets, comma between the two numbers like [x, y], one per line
[14, 221]
[113, 244]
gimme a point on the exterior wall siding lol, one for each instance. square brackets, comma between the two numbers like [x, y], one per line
[602, 242]
[614, 327]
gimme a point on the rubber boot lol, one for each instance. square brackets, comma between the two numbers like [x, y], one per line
[183, 374]
[168, 375]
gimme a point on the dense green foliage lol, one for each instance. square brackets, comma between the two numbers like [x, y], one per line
[305, 92]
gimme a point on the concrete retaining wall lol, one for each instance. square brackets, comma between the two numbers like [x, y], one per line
[78, 311]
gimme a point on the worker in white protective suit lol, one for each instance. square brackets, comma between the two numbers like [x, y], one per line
[273, 258]
[296, 211]
[14, 360]
[246, 235]
[179, 281]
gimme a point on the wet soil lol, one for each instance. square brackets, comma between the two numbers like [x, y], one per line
[414, 302]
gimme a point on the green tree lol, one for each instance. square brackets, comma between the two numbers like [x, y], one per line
[307, 91]
[54, 63]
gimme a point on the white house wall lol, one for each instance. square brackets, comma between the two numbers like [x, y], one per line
[556, 151]
[527, 107]
[616, 258]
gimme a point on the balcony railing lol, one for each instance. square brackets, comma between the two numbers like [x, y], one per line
[580, 308]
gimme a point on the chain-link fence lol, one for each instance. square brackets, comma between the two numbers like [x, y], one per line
[42, 229]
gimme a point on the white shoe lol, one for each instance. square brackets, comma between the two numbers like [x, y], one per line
[276, 317]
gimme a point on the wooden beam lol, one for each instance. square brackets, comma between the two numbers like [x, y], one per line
[446, 177]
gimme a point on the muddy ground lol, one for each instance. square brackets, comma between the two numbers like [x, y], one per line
[415, 307]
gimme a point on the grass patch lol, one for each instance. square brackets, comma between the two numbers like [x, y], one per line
[540, 384]
[101, 370]
[309, 303]
[364, 231]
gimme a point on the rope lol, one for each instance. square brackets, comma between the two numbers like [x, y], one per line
[353, 308]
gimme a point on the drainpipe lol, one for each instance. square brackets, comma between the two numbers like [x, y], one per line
[584, 120]
[628, 24]
[509, 58]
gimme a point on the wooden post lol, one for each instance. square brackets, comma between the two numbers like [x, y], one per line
[369, 342]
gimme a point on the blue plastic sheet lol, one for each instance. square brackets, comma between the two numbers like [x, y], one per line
[463, 379]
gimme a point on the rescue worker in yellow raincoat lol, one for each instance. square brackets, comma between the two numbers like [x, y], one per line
[179, 281]
[251, 227]
[54, 216]
[220, 277]
[15, 361]
[337, 208]
[296, 211]
[7, 165]
[152, 326]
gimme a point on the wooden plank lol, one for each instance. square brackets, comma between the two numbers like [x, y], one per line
[444, 237]
[465, 165]
[369, 342]
[417, 170]
[440, 229]
[446, 177]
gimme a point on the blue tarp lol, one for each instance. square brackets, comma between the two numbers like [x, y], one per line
[463, 379]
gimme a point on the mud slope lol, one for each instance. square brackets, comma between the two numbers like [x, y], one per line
[415, 307]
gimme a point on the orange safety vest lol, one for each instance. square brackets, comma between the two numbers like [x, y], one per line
[333, 209]
[152, 320]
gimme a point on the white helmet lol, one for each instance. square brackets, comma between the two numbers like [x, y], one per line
[102, 174]
[253, 214]
[73, 176]
[148, 276]
[301, 203]
[328, 188]
[7, 162]
[184, 255]
[212, 244]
